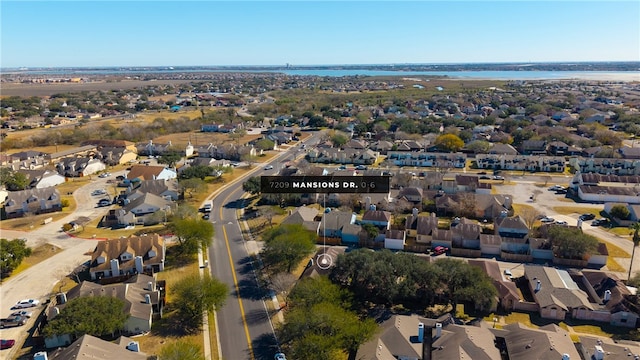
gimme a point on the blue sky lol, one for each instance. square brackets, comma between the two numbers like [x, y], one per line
[171, 33]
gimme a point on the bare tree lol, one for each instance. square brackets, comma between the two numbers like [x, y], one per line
[268, 213]
[282, 283]
[546, 179]
[466, 205]
[535, 194]
[529, 214]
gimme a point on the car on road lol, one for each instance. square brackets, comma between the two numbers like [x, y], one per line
[584, 217]
[560, 222]
[98, 192]
[205, 216]
[22, 313]
[600, 222]
[547, 220]
[498, 177]
[484, 177]
[268, 167]
[361, 167]
[104, 202]
[342, 167]
[279, 356]
[104, 175]
[26, 303]
[6, 343]
[555, 188]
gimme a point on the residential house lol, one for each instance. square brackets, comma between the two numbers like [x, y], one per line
[534, 147]
[333, 222]
[395, 239]
[88, 347]
[107, 143]
[356, 144]
[304, 216]
[141, 209]
[631, 153]
[606, 166]
[521, 162]
[427, 159]
[32, 201]
[421, 227]
[43, 178]
[603, 194]
[315, 268]
[613, 296]
[502, 149]
[381, 146]
[411, 194]
[465, 234]
[557, 294]
[459, 183]
[490, 244]
[378, 218]
[86, 151]
[79, 166]
[558, 148]
[546, 342]
[512, 227]
[131, 255]
[486, 206]
[155, 149]
[144, 172]
[459, 342]
[600, 348]
[338, 156]
[116, 155]
[508, 295]
[166, 189]
[141, 295]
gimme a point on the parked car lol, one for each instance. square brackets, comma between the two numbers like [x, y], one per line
[438, 250]
[555, 188]
[508, 273]
[13, 321]
[205, 216]
[22, 313]
[104, 202]
[600, 222]
[584, 217]
[361, 167]
[7, 343]
[561, 222]
[98, 192]
[268, 167]
[27, 303]
[104, 175]
[342, 167]
[547, 220]
[484, 177]
[498, 177]
[279, 356]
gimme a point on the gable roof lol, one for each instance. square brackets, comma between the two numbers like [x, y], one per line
[546, 342]
[302, 214]
[139, 245]
[376, 215]
[146, 198]
[465, 342]
[144, 172]
[89, 347]
[557, 288]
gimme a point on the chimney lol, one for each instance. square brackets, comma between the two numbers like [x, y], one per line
[367, 202]
[147, 299]
[414, 212]
[150, 286]
[61, 298]
[372, 207]
[138, 262]
[420, 332]
[115, 267]
[41, 355]
[598, 354]
[438, 330]
[607, 295]
[538, 285]
[133, 346]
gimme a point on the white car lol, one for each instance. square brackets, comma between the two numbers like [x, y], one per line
[23, 313]
[27, 303]
[98, 192]
[268, 167]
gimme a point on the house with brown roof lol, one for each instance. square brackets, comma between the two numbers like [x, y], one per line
[508, 295]
[421, 227]
[304, 216]
[377, 218]
[34, 201]
[143, 299]
[144, 172]
[88, 347]
[395, 239]
[460, 183]
[135, 254]
[604, 348]
[411, 194]
[486, 206]
[614, 296]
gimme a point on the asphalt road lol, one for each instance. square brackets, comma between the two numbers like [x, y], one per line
[244, 324]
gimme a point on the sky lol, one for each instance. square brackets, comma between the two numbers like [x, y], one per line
[225, 33]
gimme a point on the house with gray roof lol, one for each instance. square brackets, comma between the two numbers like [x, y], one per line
[166, 189]
[89, 347]
[604, 348]
[546, 342]
[557, 294]
[141, 295]
[508, 296]
[43, 178]
[379, 218]
[144, 206]
[334, 221]
[514, 227]
[304, 216]
[34, 201]
[79, 166]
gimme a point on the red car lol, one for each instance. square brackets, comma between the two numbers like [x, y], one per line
[7, 344]
[440, 250]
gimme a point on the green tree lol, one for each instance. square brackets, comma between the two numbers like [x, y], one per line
[285, 246]
[192, 186]
[12, 252]
[371, 230]
[93, 315]
[181, 350]
[252, 185]
[192, 234]
[449, 142]
[170, 158]
[197, 294]
[14, 180]
[339, 139]
[620, 211]
[571, 243]
[479, 146]
[312, 291]
[198, 171]
[184, 211]
[265, 144]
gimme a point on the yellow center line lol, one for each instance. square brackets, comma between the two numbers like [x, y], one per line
[235, 282]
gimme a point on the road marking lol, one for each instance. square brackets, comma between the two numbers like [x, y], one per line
[235, 282]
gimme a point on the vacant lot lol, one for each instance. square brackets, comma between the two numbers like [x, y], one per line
[13, 89]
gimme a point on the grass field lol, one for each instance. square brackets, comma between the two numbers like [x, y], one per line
[567, 210]
[612, 265]
[621, 231]
[38, 254]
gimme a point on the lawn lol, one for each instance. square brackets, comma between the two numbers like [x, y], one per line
[612, 265]
[38, 254]
[615, 251]
[621, 231]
